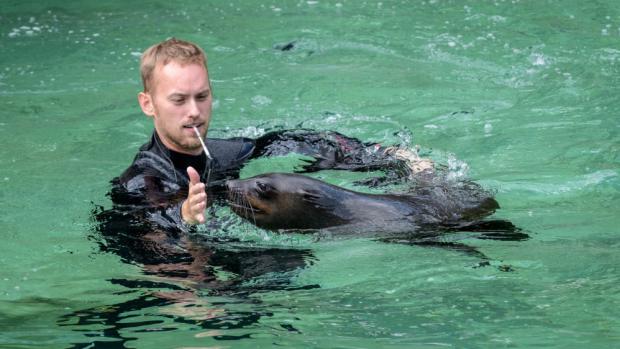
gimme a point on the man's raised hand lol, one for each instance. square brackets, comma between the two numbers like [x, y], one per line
[193, 209]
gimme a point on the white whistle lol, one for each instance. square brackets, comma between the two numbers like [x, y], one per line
[204, 146]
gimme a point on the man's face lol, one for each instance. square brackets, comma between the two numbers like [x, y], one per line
[180, 98]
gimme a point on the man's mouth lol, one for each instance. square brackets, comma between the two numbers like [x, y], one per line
[197, 125]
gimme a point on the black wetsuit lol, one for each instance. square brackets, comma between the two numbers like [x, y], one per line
[154, 187]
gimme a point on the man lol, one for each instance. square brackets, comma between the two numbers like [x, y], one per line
[167, 178]
[177, 95]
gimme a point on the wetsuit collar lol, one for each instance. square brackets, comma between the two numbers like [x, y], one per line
[180, 161]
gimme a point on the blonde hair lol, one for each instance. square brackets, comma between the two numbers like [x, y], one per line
[173, 49]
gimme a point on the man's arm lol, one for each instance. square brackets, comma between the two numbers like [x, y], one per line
[334, 151]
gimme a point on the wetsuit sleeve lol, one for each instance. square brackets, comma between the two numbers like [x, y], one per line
[231, 153]
[229, 156]
[330, 150]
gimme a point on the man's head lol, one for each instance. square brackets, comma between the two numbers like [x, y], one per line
[179, 51]
[177, 93]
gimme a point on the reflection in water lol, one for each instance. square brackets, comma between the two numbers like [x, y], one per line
[189, 279]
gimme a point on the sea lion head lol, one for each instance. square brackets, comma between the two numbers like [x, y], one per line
[283, 201]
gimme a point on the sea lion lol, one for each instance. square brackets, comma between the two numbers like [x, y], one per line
[279, 201]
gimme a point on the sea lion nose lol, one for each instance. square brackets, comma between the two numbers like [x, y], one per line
[231, 188]
[232, 184]
[228, 184]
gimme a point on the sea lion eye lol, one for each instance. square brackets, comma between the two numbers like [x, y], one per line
[264, 189]
[261, 186]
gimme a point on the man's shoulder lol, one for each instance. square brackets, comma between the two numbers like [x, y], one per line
[230, 152]
[146, 163]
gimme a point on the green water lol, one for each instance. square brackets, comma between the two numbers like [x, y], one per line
[521, 94]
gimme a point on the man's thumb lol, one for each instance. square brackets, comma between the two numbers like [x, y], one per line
[194, 177]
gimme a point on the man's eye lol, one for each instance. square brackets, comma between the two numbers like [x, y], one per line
[178, 101]
[202, 97]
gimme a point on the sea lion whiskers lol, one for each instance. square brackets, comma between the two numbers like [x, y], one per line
[249, 207]
[239, 201]
[242, 203]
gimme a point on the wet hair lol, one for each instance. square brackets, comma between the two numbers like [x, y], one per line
[173, 49]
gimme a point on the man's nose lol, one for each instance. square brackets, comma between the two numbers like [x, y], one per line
[194, 110]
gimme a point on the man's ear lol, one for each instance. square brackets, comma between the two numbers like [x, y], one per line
[146, 103]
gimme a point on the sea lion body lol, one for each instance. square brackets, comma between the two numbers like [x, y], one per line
[279, 201]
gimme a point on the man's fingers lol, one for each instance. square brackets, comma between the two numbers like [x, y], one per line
[197, 189]
[194, 177]
[198, 209]
[196, 198]
[200, 218]
[193, 210]
[198, 203]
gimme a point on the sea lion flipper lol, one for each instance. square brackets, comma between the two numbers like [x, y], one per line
[496, 229]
